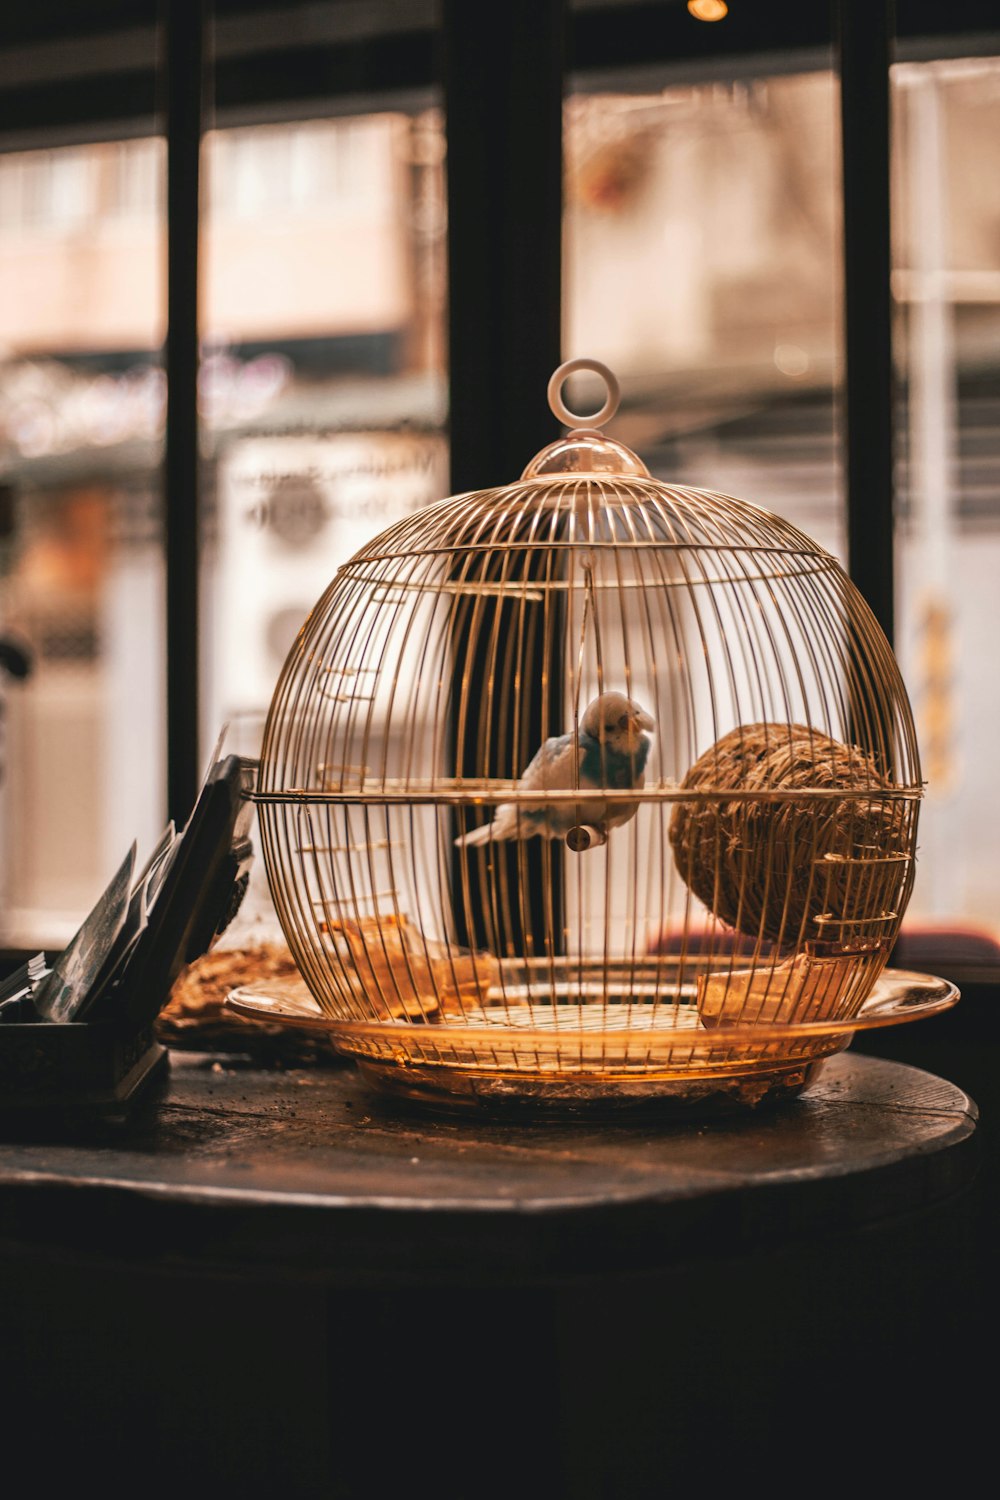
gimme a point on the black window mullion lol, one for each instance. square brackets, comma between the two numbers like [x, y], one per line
[864, 35]
[503, 87]
[503, 93]
[184, 31]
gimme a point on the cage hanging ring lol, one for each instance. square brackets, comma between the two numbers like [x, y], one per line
[563, 413]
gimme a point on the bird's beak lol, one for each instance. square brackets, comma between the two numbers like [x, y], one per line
[644, 720]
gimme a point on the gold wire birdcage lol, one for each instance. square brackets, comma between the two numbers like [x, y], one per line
[591, 790]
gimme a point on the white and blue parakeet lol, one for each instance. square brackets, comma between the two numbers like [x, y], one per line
[609, 752]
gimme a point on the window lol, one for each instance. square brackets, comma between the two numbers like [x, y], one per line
[322, 382]
[82, 401]
[723, 200]
[703, 159]
[322, 413]
[946, 284]
[702, 259]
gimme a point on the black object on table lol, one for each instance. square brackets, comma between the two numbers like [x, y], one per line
[83, 1038]
[280, 1282]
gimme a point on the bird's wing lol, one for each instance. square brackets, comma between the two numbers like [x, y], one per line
[555, 765]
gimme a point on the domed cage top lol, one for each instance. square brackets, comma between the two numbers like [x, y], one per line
[592, 786]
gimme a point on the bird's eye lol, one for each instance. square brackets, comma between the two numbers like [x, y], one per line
[623, 722]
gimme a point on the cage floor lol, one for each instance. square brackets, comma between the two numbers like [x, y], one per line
[572, 1056]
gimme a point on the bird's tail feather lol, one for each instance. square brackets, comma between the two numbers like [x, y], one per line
[481, 835]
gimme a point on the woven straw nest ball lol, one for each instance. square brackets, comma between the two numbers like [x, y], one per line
[770, 868]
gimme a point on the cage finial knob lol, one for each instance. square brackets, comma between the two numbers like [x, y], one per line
[562, 411]
[584, 450]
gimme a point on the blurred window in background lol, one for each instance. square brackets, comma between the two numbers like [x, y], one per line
[323, 404]
[702, 260]
[702, 253]
[702, 263]
[82, 320]
[946, 285]
[323, 379]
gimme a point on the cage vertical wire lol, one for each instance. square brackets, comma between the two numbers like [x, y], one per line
[592, 789]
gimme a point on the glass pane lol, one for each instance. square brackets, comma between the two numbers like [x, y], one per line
[82, 304]
[946, 225]
[323, 380]
[323, 404]
[701, 252]
[702, 255]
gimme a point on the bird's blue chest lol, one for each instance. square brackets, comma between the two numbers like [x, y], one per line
[601, 765]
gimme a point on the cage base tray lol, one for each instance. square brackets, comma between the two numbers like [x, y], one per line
[565, 1058]
[467, 1091]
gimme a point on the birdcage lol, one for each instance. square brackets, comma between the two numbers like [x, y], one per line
[591, 791]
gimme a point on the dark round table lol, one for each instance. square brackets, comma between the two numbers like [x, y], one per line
[279, 1278]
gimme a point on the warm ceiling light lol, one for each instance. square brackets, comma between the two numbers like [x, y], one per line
[708, 10]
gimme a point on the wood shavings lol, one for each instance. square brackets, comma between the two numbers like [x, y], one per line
[407, 974]
[195, 1018]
